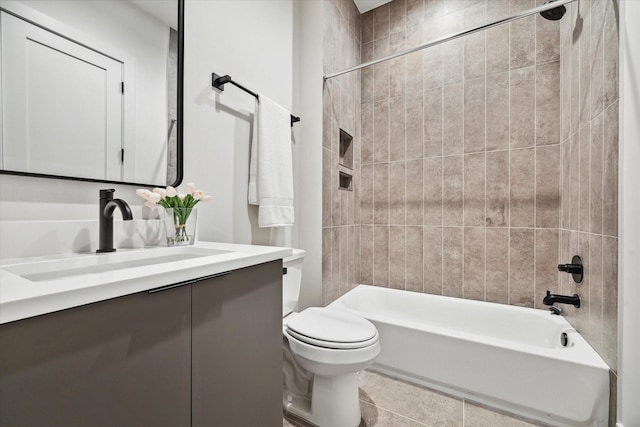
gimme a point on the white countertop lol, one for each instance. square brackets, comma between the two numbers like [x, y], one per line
[29, 286]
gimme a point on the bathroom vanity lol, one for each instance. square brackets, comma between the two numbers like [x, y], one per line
[191, 338]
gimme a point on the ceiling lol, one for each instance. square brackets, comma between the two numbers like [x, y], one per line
[366, 5]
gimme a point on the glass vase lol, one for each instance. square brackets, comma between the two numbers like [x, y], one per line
[180, 225]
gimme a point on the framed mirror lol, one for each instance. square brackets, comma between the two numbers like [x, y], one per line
[92, 90]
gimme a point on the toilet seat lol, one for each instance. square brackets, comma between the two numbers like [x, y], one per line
[332, 329]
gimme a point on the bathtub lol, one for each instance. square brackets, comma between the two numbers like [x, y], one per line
[525, 361]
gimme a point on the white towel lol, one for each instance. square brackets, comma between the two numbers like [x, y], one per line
[271, 166]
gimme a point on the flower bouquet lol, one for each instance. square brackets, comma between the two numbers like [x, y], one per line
[180, 215]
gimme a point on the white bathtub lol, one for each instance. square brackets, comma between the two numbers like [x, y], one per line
[507, 357]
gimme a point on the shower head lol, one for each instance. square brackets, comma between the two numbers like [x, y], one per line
[554, 14]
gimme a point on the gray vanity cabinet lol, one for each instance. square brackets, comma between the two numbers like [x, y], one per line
[120, 362]
[237, 348]
[205, 354]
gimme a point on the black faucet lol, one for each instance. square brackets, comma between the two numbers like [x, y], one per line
[551, 299]
[107, 205]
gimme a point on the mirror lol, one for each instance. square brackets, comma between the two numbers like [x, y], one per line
[92, 90]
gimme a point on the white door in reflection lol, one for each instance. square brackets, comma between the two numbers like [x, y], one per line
[62, 105]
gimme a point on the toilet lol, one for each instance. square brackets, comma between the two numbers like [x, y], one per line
[323, 350]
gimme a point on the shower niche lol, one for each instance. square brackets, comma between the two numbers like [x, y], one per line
[345, 162]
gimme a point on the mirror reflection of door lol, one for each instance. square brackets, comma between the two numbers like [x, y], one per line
[63, 112]
[63, 100]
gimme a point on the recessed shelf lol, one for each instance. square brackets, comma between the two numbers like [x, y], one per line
[346, 149]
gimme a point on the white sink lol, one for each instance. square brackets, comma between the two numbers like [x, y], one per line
[83, 264]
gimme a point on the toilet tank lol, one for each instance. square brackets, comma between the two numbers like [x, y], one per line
[291, 281]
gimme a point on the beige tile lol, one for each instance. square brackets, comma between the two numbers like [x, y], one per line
[397, 245]
[415, 13]
[344, 259]
[373, 416]
[522, 188]
[334, 292]
[452, 6]
[397, 123]
[585, 64]
[453, 127]
[452, 62]
[497, 198]
[474, 189]
[610, 172]
[432, 68]
[414, 260]
[452, 190]
[521, 267]
[474, 55]
[547, 40]
[381, 131]
[397, 208]
[433, 103]
[414, 125]
[610, 45]
[366, 194]
[452, 258]
[433, 9]
[523, 41]
[548, 186]
[565, 78]
[432, 260]
[414, 61]
[381, 22]
[433, 191]
[497, 265]
[414, 188]
[354, 256]
[497, 47]
[366, 27]
[381, 255]
[326, 266]
[476, 415]
[573, 56]
[367, 84]
[474, 263]
[336, 205]
[522, 107]
[584, 214]
[366, 254]
[381, 70]
[366, 117]
[397, 66]
[548, 103]
[610, 301]
[547, 244]
[497, 112]
[410, 401]
[596, 57]
[397, 16]
[593, 332]
[595, 176]
[326, 187]
[381, 193]
[474, 115]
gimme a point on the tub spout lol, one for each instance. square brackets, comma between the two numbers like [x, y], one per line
[551, 299]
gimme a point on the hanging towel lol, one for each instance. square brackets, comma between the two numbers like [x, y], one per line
[271, 165]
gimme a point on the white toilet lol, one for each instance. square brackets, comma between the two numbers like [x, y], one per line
[323, 351]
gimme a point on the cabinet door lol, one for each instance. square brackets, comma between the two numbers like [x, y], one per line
[120, 362]
[237, 348]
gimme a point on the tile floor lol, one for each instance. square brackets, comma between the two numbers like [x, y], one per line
[388, 402]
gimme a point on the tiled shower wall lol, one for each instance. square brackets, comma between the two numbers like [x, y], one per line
[479, 164]
[461, 152]
[341, 110]
[589, 134]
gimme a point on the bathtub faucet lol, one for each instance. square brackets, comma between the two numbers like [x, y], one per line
[551, 299]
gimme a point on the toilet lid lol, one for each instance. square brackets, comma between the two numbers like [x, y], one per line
[332, 329]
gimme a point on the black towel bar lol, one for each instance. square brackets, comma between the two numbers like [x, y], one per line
[219, 81]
